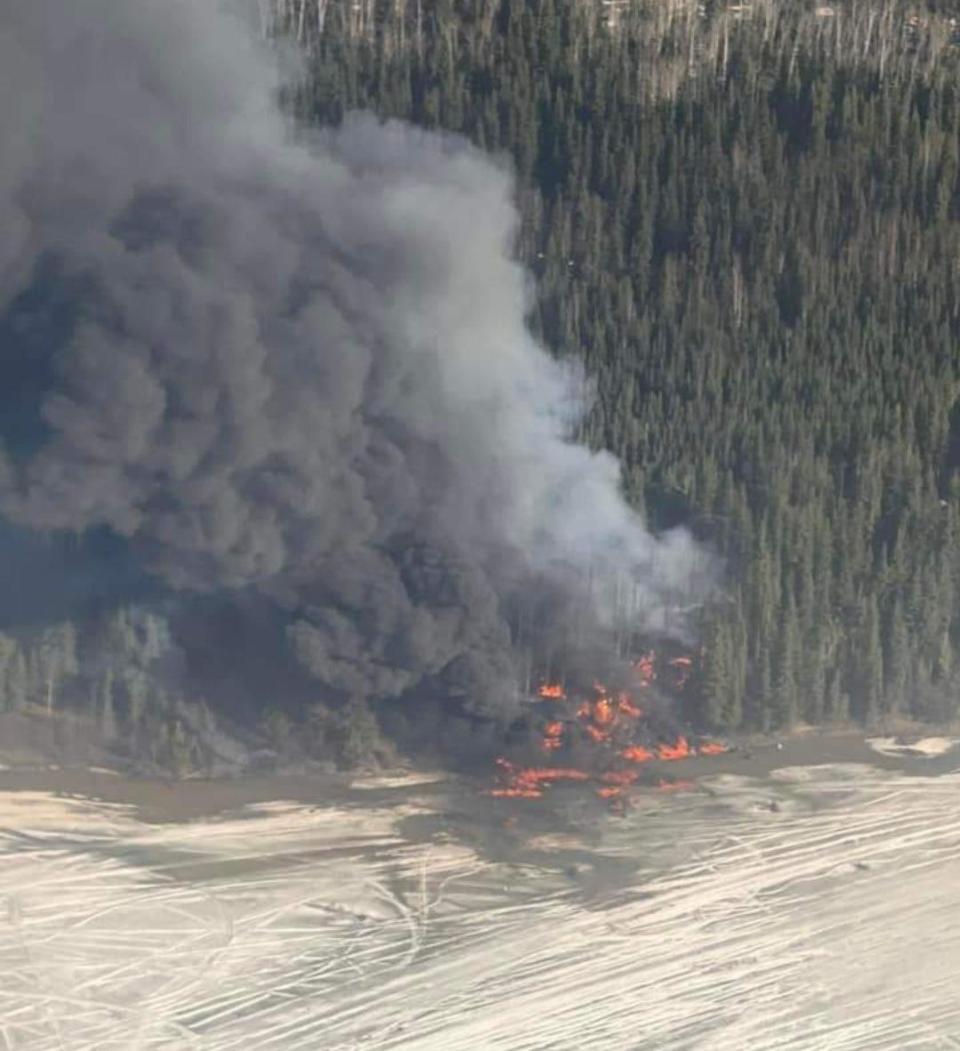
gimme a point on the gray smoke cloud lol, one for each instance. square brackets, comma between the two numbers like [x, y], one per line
[289, 364]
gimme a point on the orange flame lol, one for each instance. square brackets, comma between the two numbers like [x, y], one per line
[552, 736]
[636, 753]
[549, 774]
[680, 749]
[606, 718]
[676, 786]
[603, 711]
[600, 716]
[529, 782]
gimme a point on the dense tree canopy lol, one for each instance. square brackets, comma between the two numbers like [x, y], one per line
[747, 224]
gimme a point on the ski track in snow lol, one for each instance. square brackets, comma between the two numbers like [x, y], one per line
[832, 923]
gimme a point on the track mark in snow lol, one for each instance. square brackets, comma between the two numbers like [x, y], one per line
[834, 923]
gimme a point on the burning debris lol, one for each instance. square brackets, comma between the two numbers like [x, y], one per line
[552, 736]
[636, 753]
[680, 749]
[600, 732]
[529, 782]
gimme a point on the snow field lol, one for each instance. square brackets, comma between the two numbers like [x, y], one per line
[814, 910]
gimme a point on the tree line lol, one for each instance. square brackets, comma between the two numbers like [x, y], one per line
[120, 679]
[119, 671]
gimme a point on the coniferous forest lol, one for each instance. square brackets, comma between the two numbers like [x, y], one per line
[744, 219]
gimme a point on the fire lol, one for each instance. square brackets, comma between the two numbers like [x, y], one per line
[627, 707]
[602, 708]
[552, 736]
[549, 774]
[516, 793]
[608, 719]
[646, 668]
[529, 782]
[603, 715]
[598, 716]
[680, 749]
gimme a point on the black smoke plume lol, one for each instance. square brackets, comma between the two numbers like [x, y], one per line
[290, 369]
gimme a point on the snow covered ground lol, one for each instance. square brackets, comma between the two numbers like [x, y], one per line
[930, 747]
[818, 908]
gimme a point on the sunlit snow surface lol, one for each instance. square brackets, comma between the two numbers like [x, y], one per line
[830, 920]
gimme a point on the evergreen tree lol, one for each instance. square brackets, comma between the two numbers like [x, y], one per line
[758, 275]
